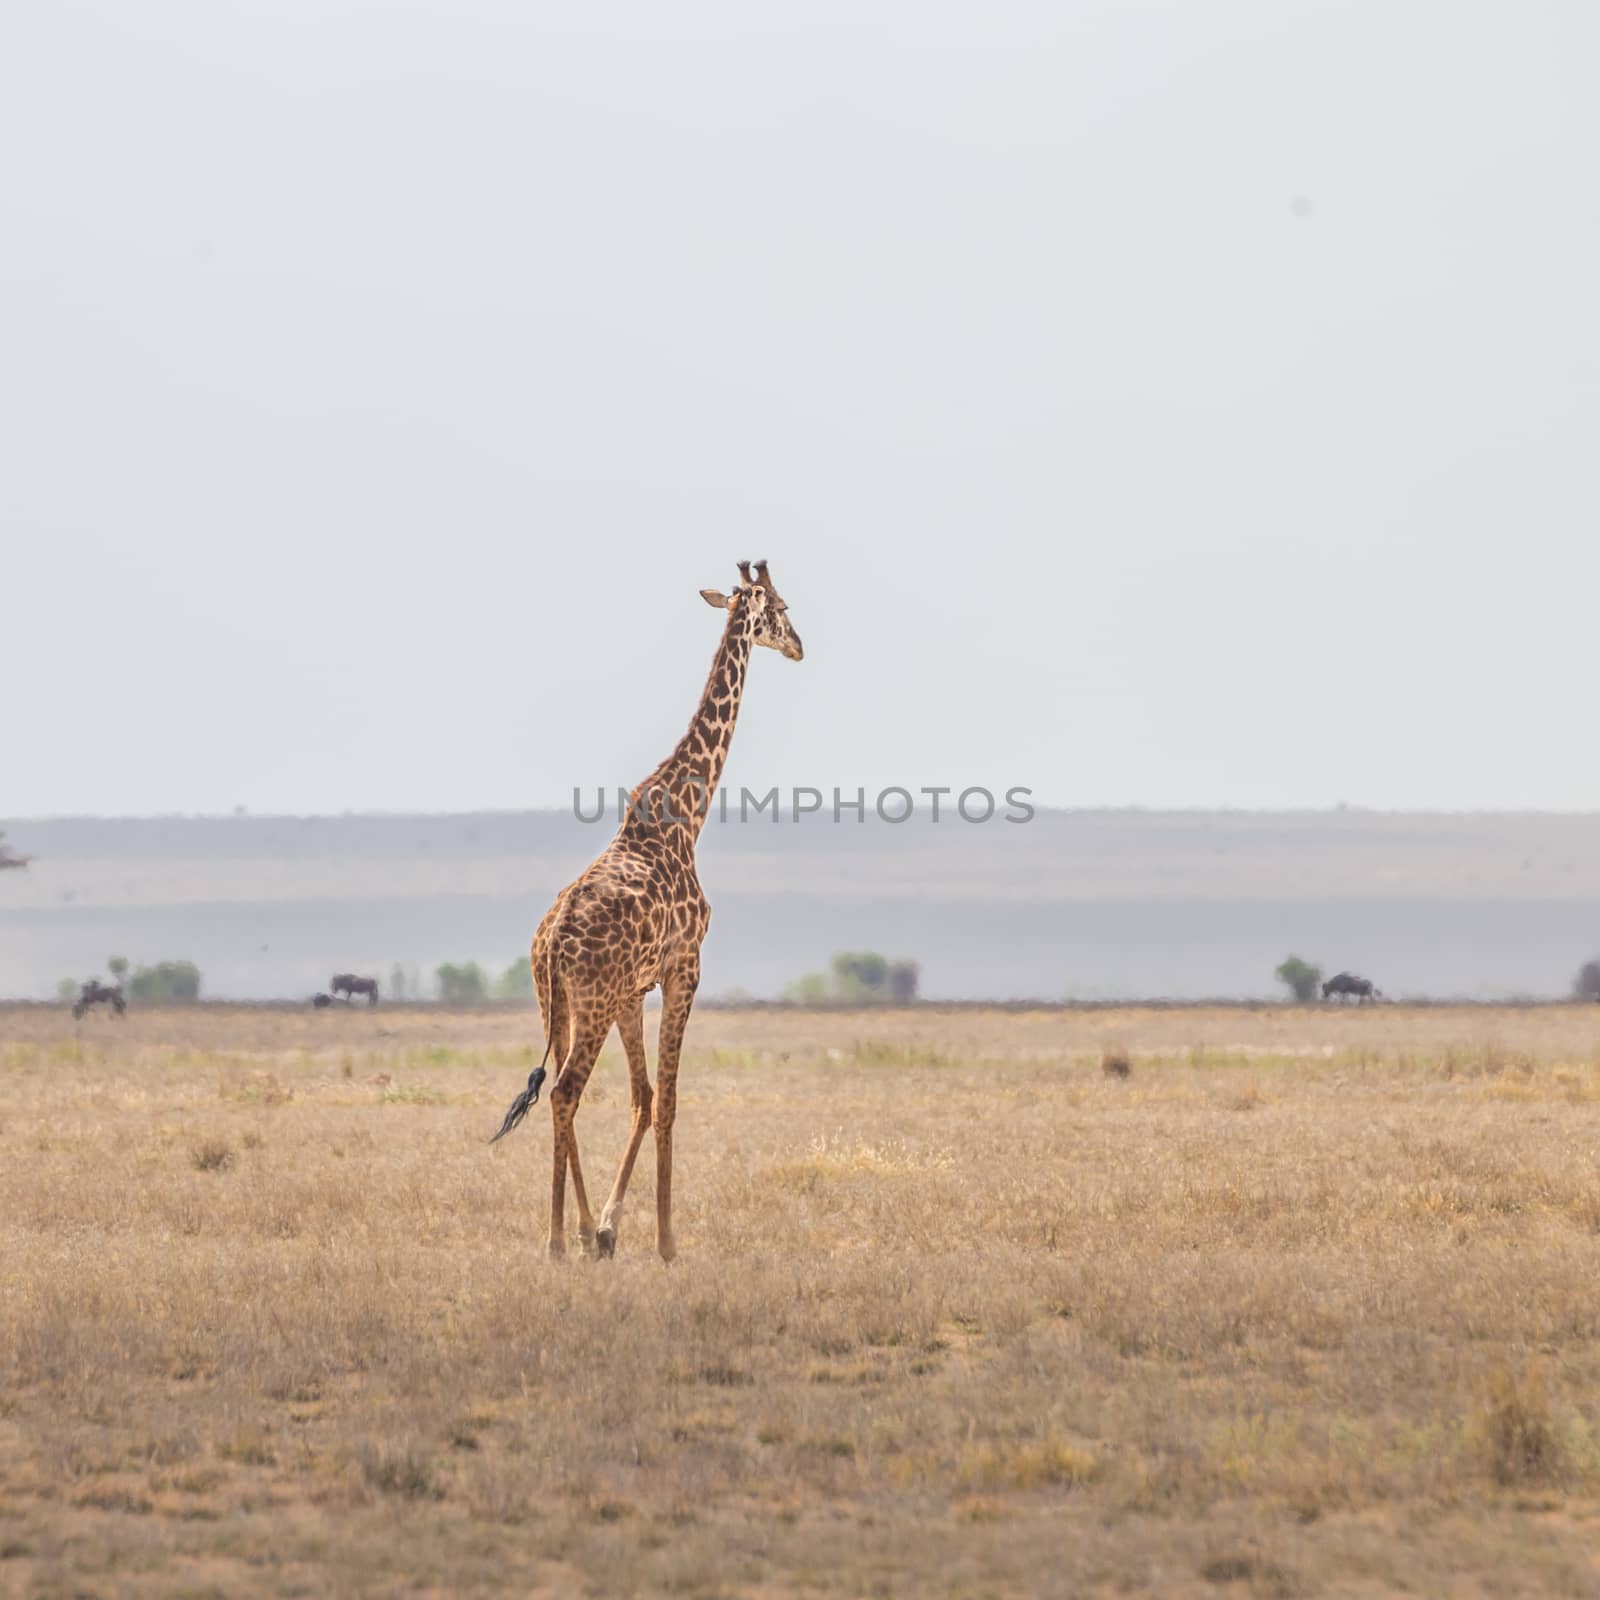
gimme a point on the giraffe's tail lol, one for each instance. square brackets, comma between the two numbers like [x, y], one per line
[553, 1025]
[528, 1097]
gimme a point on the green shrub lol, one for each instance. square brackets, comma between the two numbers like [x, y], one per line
[516, 982]
[857, 977]
[169, 982]
[464, 985]
[1302, 979]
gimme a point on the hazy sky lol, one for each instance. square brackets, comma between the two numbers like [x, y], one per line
[1163, 404]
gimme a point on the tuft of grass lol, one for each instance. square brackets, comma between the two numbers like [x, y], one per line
[725, 1377]
[837, 1445]
[1515, 1429]
[1031, 1464]
[412, 1094]
[249, 1448]
[839, 1157]
[259, 1089]
[900, 1053]
[211, 1155]
[463, 1433]
[1114, 1062]
[402, 1469]
[1228, 1569]
[1265, 1578]
[733, 1059]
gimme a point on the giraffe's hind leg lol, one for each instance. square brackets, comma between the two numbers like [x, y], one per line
[631, 1026]
[588, 1036]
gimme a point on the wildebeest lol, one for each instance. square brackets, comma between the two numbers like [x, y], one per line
[95, 993]
[349, 985]
[321, 1000]
[1345, 984]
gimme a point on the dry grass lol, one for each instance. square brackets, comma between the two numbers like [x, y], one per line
[1304, 1303]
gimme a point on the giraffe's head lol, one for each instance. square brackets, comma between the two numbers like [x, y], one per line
[757, 598]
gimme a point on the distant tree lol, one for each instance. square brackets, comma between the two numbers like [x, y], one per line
[171, 982]
[859, 974]
[1301, 978]
[118, 968]
[464, 985]
[67, 990]
[8, 857]
[811, 990]
[397, 982]
[516, 982]
[857, 977]
[1586, 986]
[903, 976]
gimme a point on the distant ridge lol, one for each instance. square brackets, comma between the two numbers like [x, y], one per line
[1096, 904]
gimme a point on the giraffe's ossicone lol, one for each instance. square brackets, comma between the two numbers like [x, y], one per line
[634, 921]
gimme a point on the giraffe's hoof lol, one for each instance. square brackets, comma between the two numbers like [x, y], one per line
[667, 1248]
[605, 1243]
[586, 1245]
[556, 1249]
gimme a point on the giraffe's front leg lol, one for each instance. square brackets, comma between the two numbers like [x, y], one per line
[677, 997]
[585, 1218]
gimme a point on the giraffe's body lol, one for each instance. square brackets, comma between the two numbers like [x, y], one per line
[634, 920]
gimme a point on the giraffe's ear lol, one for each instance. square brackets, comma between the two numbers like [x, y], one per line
[715, 598]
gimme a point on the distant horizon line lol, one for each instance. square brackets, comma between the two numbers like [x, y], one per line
[1337, 809]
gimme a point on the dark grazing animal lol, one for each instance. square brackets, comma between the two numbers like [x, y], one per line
[321, 1001]
[349, 985]
[1347, 984]
[95, 993]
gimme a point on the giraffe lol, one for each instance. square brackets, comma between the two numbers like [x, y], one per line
[635, 919]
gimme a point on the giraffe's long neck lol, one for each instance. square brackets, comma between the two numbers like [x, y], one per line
[679, 792]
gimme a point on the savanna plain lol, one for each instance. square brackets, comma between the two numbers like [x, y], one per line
[1303, 1301]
